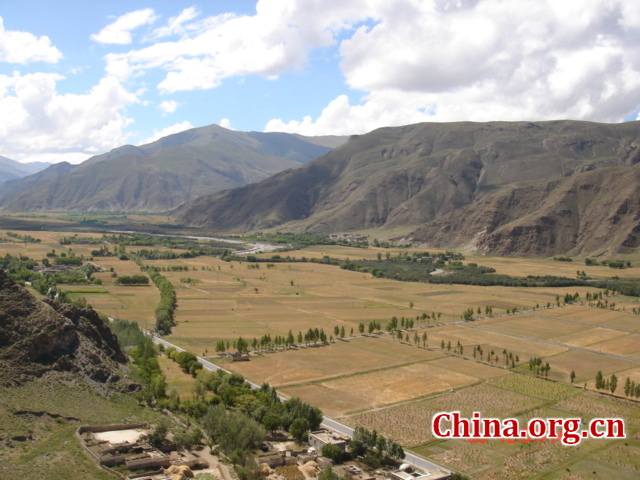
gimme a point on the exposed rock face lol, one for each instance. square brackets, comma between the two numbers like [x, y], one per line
[591, 213]
[37, 337]
[412, 175]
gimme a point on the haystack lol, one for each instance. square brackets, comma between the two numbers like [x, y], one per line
[179, 472]
[310, 469]
[265, 469]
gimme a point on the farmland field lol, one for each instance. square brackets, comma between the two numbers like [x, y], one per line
[396, 386]
[380, 388]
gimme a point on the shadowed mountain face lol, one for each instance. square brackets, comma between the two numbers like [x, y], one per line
[166, 173]
[592, 213]
[416, 174]
[38, 337]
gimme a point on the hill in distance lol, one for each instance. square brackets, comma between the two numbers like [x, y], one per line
[11, 170]
[168, 172]
[418, 174]
[12, 188]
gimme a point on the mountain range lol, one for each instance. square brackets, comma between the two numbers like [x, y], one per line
[528, 188]
[166, 173]
[11, 170]
[496, 187]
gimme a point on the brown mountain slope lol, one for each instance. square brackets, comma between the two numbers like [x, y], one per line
[591, 213]
[166, 173]
[414, 174]
[38, 337]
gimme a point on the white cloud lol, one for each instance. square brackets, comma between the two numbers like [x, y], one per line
[119, 32]
[225, 123]
[274, 40]
[73, 158]
[486, 60]
[24, 47]
[37, 122]
[168, 106]
[175, 25]
[158, 134]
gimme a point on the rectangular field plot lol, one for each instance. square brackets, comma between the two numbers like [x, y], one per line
[376, 389]
[626, 345]
[323, 362]
[629, 322]
[594, 405]
[591, 315]
[534, 326]
[489, 400]
[469, 336]
[590, 337]
[585, 365]
[128, 302]
[534, 387]
[469, 367]
[408, 424]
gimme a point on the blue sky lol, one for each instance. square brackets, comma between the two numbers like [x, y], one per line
[78, 78]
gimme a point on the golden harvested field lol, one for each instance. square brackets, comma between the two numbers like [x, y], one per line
[543, 266]
[491, 401]
[128, 302]
[468, 367]
[597, 405]
[377, 389]
[312, 364]
[536, 326]
[585, 365]
[397, 387]
[468, 335]
[408, 424]
[633, 374]
[501, 460]
[589, 337]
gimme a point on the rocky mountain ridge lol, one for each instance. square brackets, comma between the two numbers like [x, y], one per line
[418, 174]
[37, 337]
[168, 172]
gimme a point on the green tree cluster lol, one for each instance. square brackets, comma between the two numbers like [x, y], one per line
[132, 280]
[168, 301]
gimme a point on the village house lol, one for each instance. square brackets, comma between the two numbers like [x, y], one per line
[320, 438]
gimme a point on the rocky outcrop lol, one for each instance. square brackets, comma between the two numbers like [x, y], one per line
[37, 337]
[591, 213]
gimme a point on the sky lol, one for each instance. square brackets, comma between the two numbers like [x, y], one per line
[79, 78]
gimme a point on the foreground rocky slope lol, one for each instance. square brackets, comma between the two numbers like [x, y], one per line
[417, 174]
[38, 337]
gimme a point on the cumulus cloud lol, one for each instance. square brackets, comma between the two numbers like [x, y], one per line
[24, 47]
[175, 25]
[486, 60]
[38, 122]
[119, 32]
[168, 106]
[225, 123]
[274, 40]
[158, 134]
